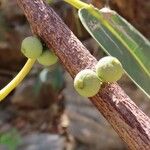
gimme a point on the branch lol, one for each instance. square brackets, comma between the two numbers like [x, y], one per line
[132, 125]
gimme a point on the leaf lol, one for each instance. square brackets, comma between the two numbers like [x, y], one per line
[120, 39]
[11, 139]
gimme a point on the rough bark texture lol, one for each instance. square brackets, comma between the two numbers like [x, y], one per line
[132, 125]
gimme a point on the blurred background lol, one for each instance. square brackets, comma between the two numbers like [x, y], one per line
[45, 112]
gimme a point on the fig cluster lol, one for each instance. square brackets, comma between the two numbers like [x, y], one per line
[32, 48]
[87, 82]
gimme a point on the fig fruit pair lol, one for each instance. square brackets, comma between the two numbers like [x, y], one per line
[87, 82]
[32, 48]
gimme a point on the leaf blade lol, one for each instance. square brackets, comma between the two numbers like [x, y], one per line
[120, 39]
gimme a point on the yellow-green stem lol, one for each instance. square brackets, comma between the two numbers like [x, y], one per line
[20, 76]
[77, 3]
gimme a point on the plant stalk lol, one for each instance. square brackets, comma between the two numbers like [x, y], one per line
[16, 81]
[77, 3]
[131, 124]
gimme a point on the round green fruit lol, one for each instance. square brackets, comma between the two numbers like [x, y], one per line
[109, 69]
[31, 47]
[87, 83]
[47, 58]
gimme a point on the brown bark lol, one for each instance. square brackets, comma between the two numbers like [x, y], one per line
[132, 125]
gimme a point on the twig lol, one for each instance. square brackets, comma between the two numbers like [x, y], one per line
[132, 125]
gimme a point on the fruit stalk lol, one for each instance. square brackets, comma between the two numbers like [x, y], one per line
[15, 82]
[77, 3]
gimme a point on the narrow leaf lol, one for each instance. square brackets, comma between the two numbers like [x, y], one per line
[120, 39]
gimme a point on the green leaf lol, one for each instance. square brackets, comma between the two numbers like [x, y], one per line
[120, 39]
[11, 139]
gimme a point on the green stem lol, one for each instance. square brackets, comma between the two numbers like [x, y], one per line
[14, 83]
[77, 3]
